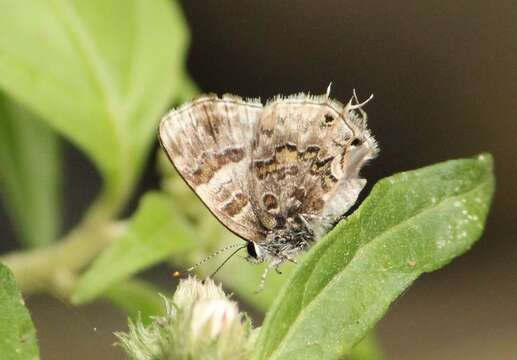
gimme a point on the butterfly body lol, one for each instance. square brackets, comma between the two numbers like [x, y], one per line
[278, 175]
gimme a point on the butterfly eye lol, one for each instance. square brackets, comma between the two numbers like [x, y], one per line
[356, 142]
[251, 249]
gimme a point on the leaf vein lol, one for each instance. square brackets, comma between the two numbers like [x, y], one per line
[301, 315]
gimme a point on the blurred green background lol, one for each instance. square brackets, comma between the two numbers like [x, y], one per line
[444, 76]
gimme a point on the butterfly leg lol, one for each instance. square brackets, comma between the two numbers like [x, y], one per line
[284, 258]
[262, 280]
[340, 218]
[306, 224]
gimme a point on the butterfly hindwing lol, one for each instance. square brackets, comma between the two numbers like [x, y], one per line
[305, 161]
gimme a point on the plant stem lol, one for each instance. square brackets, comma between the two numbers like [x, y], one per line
[54, 268]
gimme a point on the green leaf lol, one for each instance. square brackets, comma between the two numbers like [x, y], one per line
[153, 234]
[17, 334]
[189, 89]
[244, 279]
[30, 174]
[139, 299]
[413, 222]
[100, 72]
[367, 349]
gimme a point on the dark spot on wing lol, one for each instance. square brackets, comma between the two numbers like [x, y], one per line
[319, 165]
[270, 201]
[310, 153]
[280, 148]
[209, 163]
[356, 142]
[327, 121]
[235, 205]
[290, 147]
[235, 154]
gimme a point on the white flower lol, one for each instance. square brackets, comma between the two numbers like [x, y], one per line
[212, 318]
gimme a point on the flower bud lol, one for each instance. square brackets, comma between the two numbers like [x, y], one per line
[200, 323]
[213, 318]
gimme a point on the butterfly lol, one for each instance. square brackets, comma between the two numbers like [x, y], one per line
[278, 175]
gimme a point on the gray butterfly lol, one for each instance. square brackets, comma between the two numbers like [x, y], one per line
[278, 175]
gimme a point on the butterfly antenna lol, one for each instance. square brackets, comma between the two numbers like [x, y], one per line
[226, 260]
[190, 269]
[262, 280]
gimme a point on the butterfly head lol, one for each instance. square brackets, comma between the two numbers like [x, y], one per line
[281, 244]
[256, 254]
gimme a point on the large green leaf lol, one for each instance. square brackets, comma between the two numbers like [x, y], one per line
[30, 174]
[17, 334]
[154, 233]
[100, 72]
[412, 222]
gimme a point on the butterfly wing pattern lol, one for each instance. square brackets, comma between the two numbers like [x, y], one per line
[280, 175]
[209, 143]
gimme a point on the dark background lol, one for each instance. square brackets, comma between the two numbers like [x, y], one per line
[444, 76]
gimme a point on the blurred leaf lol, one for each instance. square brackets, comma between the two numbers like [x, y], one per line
[154, 233]
[243, 278]
[412, 222]
[367, 349]
[139, 299]
[101, 72]
[17, 334]
[189, 89]
[30, 174]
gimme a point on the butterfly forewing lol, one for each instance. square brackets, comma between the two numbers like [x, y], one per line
[209, 141]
